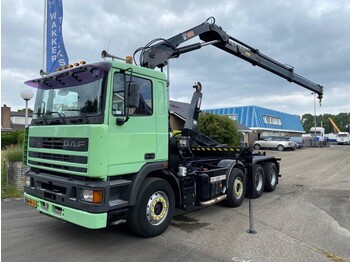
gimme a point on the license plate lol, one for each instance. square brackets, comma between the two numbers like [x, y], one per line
[31, 202]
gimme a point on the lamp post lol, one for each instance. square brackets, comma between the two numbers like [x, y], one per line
[314, 111]
[26, 94]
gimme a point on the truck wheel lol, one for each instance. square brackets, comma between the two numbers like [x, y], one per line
[154, 208]
[280, 148]
[236, 188]
[257, 147]
[270, 170]
[259, 181]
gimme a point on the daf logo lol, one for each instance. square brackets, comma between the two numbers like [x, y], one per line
[75, 144]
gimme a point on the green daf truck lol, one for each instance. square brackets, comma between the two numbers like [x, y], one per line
[101, 152]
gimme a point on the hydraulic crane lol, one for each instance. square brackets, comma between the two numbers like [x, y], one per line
[157, 54]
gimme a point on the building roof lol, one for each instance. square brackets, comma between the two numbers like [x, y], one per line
[21, 114]
[261, 118]
[179, 109]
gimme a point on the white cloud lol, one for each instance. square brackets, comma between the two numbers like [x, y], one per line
[308, 35]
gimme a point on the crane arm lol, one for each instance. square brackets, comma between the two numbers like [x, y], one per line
[336, 128]
[157, 55]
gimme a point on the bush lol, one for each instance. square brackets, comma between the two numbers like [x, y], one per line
[13, 153]
[11, 138]
[10, 191]
[220, 128]
[4, 171]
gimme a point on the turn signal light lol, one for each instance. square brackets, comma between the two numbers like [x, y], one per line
[92, 196]
[70, 66]
[128, 59]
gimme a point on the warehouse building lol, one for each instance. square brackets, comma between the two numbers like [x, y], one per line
[262, 121]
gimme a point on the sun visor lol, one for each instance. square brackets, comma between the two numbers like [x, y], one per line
[77, 76]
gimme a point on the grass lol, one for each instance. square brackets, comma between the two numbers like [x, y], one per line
[10, 154]
[10, 191]
[13, 153]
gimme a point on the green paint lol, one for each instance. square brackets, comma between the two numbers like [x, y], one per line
[78, 217]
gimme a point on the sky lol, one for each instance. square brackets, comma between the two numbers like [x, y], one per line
[311, 36]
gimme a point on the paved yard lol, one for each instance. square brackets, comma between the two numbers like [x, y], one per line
[307, 218]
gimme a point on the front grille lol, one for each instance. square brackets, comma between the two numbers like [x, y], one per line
[57, 154]
[58, 157]
[70, 144]
[61, 167]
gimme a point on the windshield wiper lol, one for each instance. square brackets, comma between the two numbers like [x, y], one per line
[43, 115]
[81, 113]
[61, 115]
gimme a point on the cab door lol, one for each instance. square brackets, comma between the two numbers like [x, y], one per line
[132, 124]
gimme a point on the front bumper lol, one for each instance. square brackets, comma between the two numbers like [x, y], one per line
[78, 217]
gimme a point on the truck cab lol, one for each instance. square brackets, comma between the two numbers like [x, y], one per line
[92, 124]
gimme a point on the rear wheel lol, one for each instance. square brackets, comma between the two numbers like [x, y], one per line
[259, 181]
[236, 188]
[257, 147]
[154, 208]
[270, 170]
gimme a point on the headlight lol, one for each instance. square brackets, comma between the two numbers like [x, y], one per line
[92, 196]
[27, 181]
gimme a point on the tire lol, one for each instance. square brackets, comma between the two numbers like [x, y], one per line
[271, 176]
[154, 208]
[259, 181]
[257, 147]
[236, 188]
[280, 147]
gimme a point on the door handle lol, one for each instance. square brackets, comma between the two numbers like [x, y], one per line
[149, 156]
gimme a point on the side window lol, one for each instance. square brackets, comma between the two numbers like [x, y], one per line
[118, 94]
[140, 101]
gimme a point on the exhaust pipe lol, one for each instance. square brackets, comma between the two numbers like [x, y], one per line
[213, 201]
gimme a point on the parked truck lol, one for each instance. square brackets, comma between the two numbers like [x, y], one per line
[100, 151]
[343, 138]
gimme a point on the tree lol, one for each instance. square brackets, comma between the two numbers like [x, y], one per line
[341, 120]
[308, 121]
[23, 110]
[220, 128]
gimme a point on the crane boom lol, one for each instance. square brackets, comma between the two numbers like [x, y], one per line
[336, 128]
[157, 55]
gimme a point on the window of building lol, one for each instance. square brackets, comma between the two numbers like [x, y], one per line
[272, 120]
[233, 117]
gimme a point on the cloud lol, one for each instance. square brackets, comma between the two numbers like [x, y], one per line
[310, 36]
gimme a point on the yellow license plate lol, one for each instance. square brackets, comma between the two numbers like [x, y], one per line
[31, 202]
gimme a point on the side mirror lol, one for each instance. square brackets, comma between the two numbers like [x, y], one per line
[134, 95]
[132, 102]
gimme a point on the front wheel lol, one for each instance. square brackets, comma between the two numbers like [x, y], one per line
[236, 188]
[154, 208]
[280, 148]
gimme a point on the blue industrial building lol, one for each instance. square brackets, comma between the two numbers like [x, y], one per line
[263, 121]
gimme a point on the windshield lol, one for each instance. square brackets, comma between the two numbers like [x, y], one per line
[317, 133]
[343, 135]
[72, 97]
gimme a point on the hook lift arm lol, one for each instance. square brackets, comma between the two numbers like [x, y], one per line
[157, 55]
